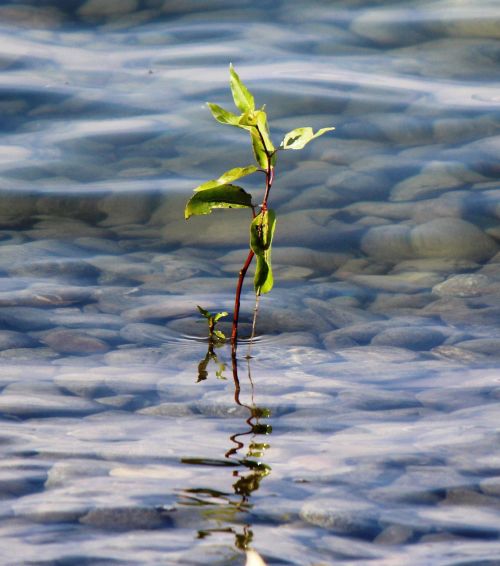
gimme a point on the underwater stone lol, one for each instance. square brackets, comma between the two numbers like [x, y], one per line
[390, 243]
[347, 517]
[98, 9]
[452, 237]
[464, 285]
[10, 339]
[409, 337]
[67, 341]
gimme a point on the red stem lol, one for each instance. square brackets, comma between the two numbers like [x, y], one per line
[236, 315]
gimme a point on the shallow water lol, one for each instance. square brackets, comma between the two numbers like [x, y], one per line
[364, 429]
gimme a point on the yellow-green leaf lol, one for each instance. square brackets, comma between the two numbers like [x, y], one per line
[264, 130]
[298, 138]
[263, 280]
[242, 97]
[228, 177]
[259, 150]
[223, 116]
[261, 237]
[225, 196]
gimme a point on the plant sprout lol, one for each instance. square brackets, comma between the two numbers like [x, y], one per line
[222, 193]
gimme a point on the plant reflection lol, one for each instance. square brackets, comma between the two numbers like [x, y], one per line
[227, 508]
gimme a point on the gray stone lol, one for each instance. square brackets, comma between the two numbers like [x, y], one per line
[339, 315]
[93, 9]
[409, 282]
[389, 28]
[123, 208]
[36, 406]
[467, 497]
[168, 410]
[57, 509]
[435, 178]
[394, 534]
[436, 265]
[45, 295]
[456, 311]
[10, 339]
[26, 318]
[63, 269]
[389, 243]
[490, 486]
[344, 516]
[75, 318]
[457, 354]
[134, 356]
[28, 354]
[333, 341]
[65, 471]
[399, 302]
[161, 307]
[409, 337]
[464, 285]
[452, 238]
[146, 334]
[486, 346]
[73, 342]
[125, 518]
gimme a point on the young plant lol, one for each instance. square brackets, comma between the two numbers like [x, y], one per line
[212, 319]
[216, 338]
[222, 193]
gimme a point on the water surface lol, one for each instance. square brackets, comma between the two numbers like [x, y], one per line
[364, 427]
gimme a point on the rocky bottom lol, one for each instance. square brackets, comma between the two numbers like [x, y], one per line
[365, 428]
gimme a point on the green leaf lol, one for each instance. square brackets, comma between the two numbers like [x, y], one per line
[298, 138]
[243, 99]
[263, 148]
[264, 130]
[220, 335]
[262, 231]
[227, 177]
[263, 280]
[220, 315]
[259, 150]
[223, 116]
[204, 312]
[261, 237]
[225, 196]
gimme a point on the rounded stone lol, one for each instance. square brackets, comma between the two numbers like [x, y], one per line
[390, 243]
[10, 339]
[74, 342]
[463, 285]
[453, 238]
[125, 518]
[409, 337]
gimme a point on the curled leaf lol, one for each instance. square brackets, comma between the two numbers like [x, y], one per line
[261, 237]
[225, 196]
[300, 137]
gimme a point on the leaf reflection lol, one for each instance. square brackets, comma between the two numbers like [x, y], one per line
[228, 509]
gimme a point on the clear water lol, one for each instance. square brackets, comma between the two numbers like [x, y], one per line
[365, 427]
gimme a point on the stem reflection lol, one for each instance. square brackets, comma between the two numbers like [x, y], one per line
[226, 510]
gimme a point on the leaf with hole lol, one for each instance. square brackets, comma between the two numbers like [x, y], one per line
[225, 196]
[300, 137]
